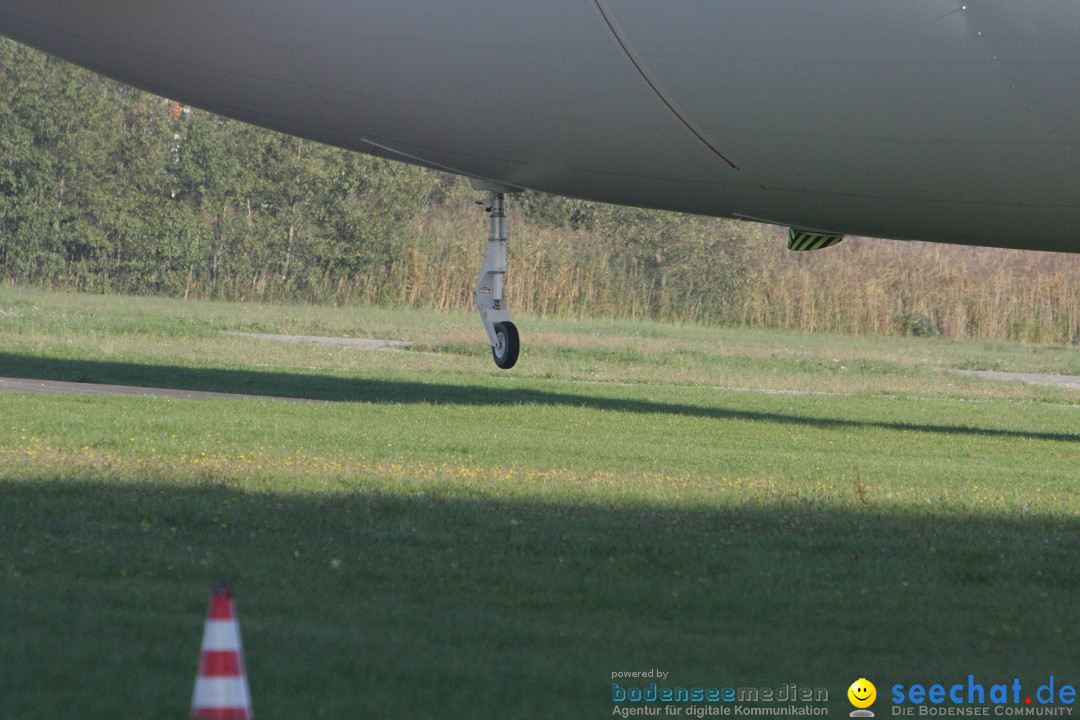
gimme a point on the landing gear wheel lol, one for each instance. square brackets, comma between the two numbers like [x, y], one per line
[507, 345]
[488, 296]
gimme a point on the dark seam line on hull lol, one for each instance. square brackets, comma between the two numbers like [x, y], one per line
[656, 90]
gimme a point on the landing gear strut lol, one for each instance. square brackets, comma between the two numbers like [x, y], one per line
[502, 333]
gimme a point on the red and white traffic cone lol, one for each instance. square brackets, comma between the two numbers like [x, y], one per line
[221, 689]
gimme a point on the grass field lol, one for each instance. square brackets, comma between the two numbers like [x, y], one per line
[443, 539]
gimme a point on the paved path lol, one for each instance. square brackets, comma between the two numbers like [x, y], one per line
[1068, 381]
[318, 340]
[76, 388]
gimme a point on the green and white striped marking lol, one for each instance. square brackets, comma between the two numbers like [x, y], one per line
[808, 240]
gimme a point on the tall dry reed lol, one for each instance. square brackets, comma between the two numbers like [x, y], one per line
[746, 276]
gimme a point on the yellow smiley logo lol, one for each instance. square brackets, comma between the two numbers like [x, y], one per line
[862, 693]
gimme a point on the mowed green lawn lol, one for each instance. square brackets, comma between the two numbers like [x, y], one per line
[442, 539]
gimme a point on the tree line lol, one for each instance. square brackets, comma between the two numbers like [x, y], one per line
[104, 188]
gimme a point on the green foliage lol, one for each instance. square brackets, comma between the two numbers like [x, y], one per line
[106, 188]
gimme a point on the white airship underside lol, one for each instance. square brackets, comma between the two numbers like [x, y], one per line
[936, 120]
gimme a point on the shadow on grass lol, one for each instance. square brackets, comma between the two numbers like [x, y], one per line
[374, 390]
[364, 604]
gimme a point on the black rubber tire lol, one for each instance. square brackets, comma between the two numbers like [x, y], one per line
[505, 353]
